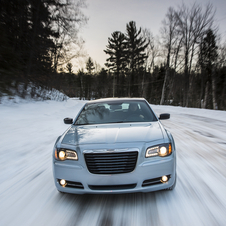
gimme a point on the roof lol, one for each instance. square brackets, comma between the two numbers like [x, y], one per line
[115, 99]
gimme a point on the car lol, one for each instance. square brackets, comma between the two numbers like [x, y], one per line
[115, 145]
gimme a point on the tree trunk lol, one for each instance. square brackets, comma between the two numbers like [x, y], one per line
[214, 90]
[186, 80]
[223, 102]
[35, 24]
[206, 95]
[129, 83]
[164, 86]
[189, 90]
[201, 91]
[113, 94]
[143, 88]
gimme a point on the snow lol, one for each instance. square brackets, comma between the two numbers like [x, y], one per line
[31, 93]
[28, 195]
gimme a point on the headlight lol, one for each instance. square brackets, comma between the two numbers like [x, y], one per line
[160, 150]
[63, 154]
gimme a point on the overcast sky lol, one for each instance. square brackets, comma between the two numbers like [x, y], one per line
[107, 16]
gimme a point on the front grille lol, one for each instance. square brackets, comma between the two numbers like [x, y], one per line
[111, 163]
[112, 187]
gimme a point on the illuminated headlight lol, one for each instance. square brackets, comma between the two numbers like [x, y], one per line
[163, 151]
[160, 150]
[64, 154]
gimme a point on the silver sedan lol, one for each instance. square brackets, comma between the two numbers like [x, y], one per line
[115, 145]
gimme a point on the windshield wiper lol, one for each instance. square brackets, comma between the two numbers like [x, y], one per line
[82, 124]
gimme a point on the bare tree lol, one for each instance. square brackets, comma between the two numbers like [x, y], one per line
[221, 63]
[67, 19]
[152, 51]
[193, 23]
[170, 37]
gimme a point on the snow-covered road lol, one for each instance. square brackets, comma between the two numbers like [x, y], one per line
[28, 195]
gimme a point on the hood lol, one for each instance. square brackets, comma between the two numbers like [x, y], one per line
[113, 133]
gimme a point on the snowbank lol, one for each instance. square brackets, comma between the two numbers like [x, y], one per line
[31, 93]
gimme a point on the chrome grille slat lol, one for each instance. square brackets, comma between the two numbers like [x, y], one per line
[111, 160]
[111, 163]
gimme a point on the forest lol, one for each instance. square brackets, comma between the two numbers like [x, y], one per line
[185, 65]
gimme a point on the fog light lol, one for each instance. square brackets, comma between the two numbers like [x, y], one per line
[164, 179]
[63, 182]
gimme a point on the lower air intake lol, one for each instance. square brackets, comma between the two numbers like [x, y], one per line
[154, 181]
[112, 187]
[72, 184]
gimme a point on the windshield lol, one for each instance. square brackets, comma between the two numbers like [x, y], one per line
[115, 112]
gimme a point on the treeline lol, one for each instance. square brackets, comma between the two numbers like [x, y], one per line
[36, 39]
[184, 66]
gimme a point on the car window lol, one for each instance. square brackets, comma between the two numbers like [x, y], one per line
[115, 112]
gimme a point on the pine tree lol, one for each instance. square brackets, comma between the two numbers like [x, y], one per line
[136, 45]
[90, 65]
[116, 48]
[88, 78]
[69, 68]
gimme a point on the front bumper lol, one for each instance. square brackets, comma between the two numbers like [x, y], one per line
[84, 182]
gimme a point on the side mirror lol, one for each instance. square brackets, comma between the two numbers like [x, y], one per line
[164, 116]
[68, 120]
